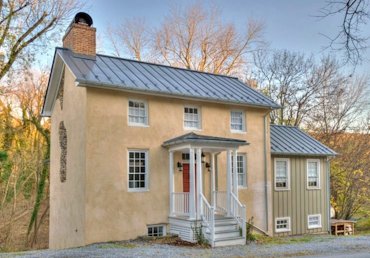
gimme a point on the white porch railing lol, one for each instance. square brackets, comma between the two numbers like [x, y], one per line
[180, 204]
[238, 211]
[208, 216]
[220, 201]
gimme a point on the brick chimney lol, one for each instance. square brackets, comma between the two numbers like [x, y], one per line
[80, 37]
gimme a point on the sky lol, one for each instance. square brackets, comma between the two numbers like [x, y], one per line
[289, 24]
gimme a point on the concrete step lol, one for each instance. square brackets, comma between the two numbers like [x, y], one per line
[227, 241]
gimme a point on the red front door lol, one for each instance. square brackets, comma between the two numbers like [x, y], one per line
[186, 178]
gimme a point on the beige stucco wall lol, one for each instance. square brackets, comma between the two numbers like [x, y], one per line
[299, 202]
[67, 210]
[113, 213]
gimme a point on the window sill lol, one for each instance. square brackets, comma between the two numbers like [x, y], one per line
[138, 190]
[282, 230]
[138, 125]
[314, 227]
[283, 189]
[313, 188]
[238, 132]
[192, 129]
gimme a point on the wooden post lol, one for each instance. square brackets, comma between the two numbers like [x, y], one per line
[213, 180]
[228, 182]
[199, 183]
[171, 183]
[235, 172]
[192, 185]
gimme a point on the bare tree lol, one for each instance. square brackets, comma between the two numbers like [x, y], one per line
[192, 38]
[350, 39]
[134, 36]
[287, 78]
[23, 23]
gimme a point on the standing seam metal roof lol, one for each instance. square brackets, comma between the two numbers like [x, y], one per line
[112, 72]
[289, 140]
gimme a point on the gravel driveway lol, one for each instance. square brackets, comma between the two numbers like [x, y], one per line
[320, 245]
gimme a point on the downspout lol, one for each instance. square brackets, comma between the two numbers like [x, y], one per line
[265, 170]
[328, 191]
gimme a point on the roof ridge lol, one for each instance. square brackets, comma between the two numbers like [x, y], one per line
[151, 63]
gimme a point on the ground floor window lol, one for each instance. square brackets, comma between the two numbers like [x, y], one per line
[314, 221]
[156, 230]
[241, 167]
[137, 170]
[282, 224]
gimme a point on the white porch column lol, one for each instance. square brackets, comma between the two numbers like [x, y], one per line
[228, 182]
[192, 214]
[235, 172]
[171, 183]
[213, 180]
[199, 183]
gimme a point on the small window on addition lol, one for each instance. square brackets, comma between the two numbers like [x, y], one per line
[156, 230]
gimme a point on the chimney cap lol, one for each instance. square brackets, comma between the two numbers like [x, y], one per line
[83, 18]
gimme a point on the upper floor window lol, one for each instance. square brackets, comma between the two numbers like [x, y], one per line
[313, 173]
[282, 171]
[137, 170]
[241, 167]
[137, 112]
[237, 121]
[191, 117]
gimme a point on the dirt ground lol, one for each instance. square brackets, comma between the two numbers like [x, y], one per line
[14, 237]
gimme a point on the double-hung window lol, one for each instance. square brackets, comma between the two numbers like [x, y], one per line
[137, 113]
[237, 121]
[241, 168]
[314, 221]
[192, 118]
[282, 171]
[313, 173]
[137, 170]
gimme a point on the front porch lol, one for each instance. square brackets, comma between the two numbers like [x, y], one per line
[220, 218]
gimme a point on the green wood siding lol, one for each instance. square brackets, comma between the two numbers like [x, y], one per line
[299, 202]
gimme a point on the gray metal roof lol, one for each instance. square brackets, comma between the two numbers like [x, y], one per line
[203, 139]
[131, 75]
[289, 140]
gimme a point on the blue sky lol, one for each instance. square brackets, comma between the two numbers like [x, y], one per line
[289, 24]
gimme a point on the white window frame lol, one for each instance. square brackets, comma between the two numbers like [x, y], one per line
[244, 127]
[287, 188]
[245, 169]
[146, 188]
[315, 226]
[318, 174]
[146, 123]
[281, 230]
[163, 226]
[199, 128]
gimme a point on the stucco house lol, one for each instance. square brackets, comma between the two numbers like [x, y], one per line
[146, 149]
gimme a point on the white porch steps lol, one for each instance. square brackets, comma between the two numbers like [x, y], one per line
[226, 232]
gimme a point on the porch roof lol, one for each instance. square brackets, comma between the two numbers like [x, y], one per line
[193, 138]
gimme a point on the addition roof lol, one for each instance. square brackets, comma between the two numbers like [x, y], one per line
[193, 138]
[155, 79]
[289, 140]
